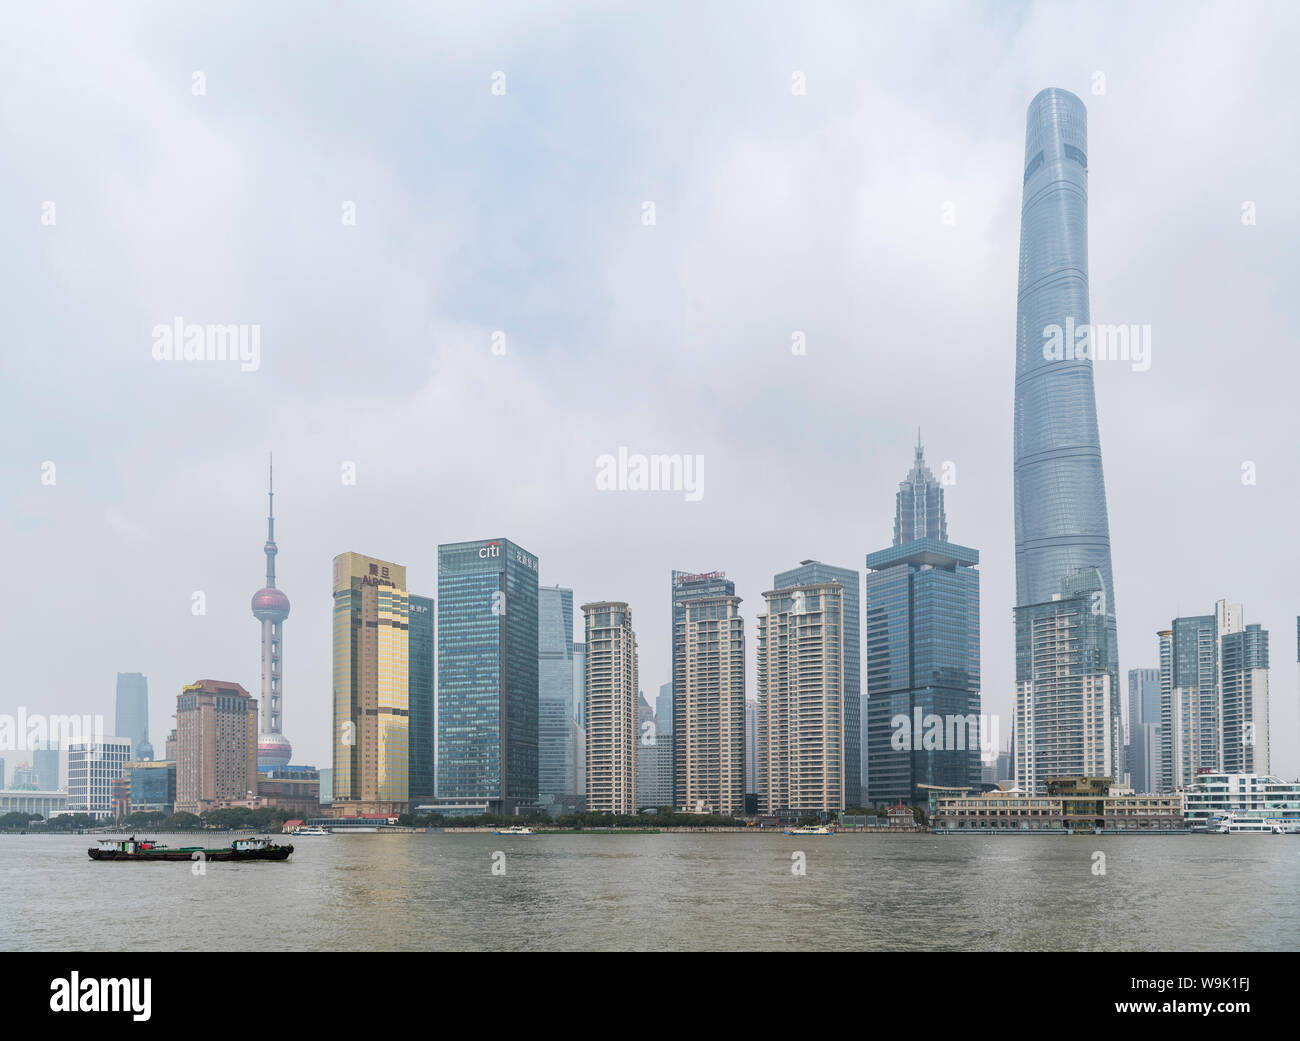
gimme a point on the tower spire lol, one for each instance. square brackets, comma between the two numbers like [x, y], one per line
[270, 523]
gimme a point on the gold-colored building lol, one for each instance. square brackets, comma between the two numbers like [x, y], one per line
[371, 694]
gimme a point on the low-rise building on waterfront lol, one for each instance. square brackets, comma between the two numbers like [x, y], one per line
[1069, 804]
[46, 804]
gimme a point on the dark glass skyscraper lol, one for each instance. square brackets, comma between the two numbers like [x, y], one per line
[922, 650]
[1060, 497]
[558, 741]
[487, 677]
[421, 700]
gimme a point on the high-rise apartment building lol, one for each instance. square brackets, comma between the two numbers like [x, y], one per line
[801, 698]
[751, 748]
[372, 707]
[1060, 495]
[922, 651]
[1243, 692]
[131, 718]
[487, 677]
[1214, 696]
[1068, 713]
[216, 747]
[612, 687]
[708, 717]
[812, 572]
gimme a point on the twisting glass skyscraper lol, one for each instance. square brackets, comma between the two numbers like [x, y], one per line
[1061, 524]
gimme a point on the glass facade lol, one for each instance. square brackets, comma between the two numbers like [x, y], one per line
[151, 786]
[557, 718]
[812, 572]
[131, 718]
[1060, 497]
[371, 681]
[1067, 715]
[1142, 749]
[487, 674]
[422, 698]
[1189, 722]
[922, 635]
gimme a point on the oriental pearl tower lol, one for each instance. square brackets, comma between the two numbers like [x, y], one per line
[271, 608]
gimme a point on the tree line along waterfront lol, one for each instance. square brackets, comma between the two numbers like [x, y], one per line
[273, 819]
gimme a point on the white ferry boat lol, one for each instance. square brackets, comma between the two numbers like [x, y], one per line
[518, 829]
[820, 829]
[1234, 823]
[315, 829]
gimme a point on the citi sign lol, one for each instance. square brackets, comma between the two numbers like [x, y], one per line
[492, 549]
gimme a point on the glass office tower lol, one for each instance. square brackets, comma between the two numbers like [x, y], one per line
[132, 713]
[922, 650]
[1060, 497]
[422, 699]
[371, 686]
[487, 677]
[556, 687]
[1142, 752]
[814, 572]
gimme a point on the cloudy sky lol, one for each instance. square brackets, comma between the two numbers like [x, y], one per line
[200, 165]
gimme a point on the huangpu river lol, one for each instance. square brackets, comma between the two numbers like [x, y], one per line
[665, 892]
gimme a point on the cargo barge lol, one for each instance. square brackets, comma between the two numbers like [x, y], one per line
[147, 849]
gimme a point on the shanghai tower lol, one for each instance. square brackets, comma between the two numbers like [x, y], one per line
[1060, 497]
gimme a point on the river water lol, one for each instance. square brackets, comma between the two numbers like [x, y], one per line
[666, 892]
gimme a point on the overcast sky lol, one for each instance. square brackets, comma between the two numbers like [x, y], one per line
[775, 212]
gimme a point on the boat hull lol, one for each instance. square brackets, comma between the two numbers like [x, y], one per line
[278, 853]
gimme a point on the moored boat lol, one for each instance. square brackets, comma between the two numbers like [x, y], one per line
[518, 829]
[148, 849]
[820, 829]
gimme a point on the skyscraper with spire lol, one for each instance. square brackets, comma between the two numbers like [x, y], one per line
[922, 636]
[271, 608]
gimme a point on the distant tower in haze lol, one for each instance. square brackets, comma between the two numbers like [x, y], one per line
[271, 608]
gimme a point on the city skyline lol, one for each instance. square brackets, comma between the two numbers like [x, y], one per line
[664, 326]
